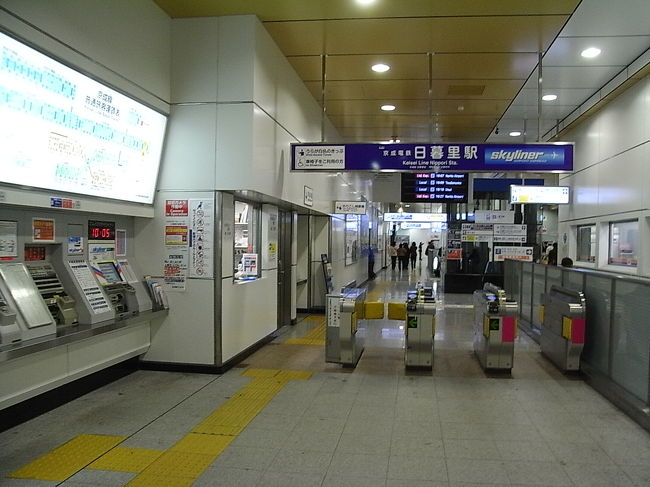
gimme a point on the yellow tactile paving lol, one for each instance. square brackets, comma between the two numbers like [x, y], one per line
[174, 463]
[182, 464]
[121, 459]
[66, 460]
[314, 318]
[294, 375]
[315, 337]
[203, 444]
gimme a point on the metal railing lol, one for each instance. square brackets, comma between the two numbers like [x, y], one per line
[616, 356]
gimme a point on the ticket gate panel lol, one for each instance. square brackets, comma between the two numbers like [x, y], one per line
[495, 328]
[419, 331]
[344, 343]
[563, 327]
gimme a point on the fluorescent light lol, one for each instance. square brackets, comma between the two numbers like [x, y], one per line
[515, 133]
[388, 108]
[365, 2]
[380, 68]
[590, 52]
[549, 97]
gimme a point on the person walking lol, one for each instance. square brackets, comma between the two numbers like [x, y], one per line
[413, 254]
[392, 253]
[420, 250]
[403, 256]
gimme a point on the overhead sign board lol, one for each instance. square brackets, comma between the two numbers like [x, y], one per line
[432, 157]
[415, 217]
[434, 187]
[502, 253]
[539, 194]
[494, 216]
[350, 207]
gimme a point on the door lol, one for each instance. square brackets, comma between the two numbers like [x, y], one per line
[284, 268]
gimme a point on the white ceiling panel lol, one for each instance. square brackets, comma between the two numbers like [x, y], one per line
[616, 51]
[578, 77]
[609, 18]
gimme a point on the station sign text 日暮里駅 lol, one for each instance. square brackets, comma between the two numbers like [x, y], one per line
[432, 157]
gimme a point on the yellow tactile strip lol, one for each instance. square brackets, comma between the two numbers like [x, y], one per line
[316, 336]
[66, 460]
[184, 462]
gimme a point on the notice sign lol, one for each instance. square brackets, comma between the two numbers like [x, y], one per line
[176, 234]
[495, 216]
[176, 208]
[319, 157]
[502, 253]
[42, 230]
[350, 207]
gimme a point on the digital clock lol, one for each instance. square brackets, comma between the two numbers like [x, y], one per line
[98, 230]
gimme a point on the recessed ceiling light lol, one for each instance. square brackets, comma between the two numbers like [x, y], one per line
[380, 68]
[365, 2]
[590, 52]
[388, 108]
[461, 108]
[515, 133]
[549, 97]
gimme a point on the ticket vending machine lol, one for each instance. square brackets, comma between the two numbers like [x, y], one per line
[495, 327]
[22, 304]
[61, 305]
[104, 284]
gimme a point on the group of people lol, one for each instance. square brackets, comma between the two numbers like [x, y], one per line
[401, 255]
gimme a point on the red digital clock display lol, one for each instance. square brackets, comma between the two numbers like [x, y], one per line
[98, 230]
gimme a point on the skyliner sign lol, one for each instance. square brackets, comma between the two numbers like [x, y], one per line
[432, 157]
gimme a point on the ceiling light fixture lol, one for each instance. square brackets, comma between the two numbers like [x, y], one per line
[590, 52]
[365, 2]
[549, 97]
[515, 133]
[461, 108]
[388, 108]
[380, 68]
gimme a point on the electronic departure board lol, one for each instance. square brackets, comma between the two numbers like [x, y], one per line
[434, 188]
[63, 131]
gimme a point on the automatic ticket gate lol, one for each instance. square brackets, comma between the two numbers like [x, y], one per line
[563, 327]
[343, 343]
[420, 329]
[495, 327]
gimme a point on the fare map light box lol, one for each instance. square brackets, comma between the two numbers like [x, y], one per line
[63, 131]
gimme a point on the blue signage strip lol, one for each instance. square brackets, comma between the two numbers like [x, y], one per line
[432, 157]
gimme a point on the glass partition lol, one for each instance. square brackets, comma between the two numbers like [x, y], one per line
[630, 338]
[617, 342]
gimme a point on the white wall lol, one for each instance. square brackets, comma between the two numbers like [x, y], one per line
[611, 175]
[96, 35]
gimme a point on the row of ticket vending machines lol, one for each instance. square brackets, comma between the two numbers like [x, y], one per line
[62, 285]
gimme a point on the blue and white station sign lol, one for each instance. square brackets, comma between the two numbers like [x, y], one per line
[432, 157]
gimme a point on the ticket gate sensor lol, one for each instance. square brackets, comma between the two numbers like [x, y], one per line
[23, 303]
[61, 306]
[495, 327]
[419, 331]
[563, 327]
[343, 342]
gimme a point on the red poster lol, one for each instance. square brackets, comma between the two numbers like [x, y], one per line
[42, 230]
[454, 254]
[176, 208]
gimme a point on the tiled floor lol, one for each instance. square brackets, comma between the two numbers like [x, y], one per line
[375, 425]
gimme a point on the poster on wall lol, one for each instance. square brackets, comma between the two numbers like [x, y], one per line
[176, 238]
[249, 265]
[201, 214]
[272, 241]
[8, 239]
